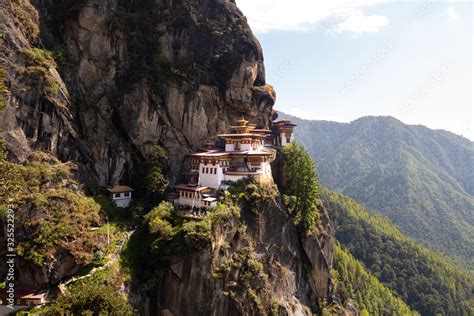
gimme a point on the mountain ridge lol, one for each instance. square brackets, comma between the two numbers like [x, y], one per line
[388, 117]
[419, 178]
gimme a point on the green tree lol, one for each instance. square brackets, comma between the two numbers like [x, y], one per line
[156, 179]
[90, 299]
[159, 220]
[300, 184]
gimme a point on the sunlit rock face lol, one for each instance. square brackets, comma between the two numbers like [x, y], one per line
[126, 77]
[257, 264]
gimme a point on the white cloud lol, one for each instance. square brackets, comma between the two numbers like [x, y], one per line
[304, 15]
[452, 13]
[361, 23]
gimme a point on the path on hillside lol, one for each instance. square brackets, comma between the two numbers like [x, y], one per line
[112, 258]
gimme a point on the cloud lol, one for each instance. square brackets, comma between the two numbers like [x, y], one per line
[361, 23]
[303, 15]
[452, 13]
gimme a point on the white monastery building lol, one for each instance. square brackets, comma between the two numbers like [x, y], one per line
[248, 152]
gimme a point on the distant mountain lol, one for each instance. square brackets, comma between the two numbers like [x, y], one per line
[422, 179]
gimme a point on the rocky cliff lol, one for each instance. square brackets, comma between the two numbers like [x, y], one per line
[100, 81]
[255, 263]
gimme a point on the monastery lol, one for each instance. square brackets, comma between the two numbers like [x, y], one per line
[248, 152]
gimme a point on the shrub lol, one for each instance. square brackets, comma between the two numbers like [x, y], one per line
[51, 211]
[24, 14]
[197, 232]
[3, 89]
[11, 179]
[39, 62]
[223, 211]
[90, 299]
[158, 220]
[252, 193]
[39, 57]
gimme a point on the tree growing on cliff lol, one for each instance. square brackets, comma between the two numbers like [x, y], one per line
[159, 220]
[300, 185]
[156, 182]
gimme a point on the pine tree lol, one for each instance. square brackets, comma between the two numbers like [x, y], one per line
[300, 184]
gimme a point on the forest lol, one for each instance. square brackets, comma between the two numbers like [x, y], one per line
[428, 282]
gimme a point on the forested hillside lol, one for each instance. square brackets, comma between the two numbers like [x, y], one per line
[423, 279]
[421, 179]
[353, 281]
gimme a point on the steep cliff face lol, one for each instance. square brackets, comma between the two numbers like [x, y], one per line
[254, 265]
[99, 82]
[125, 75]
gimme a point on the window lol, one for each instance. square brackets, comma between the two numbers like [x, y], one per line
[126, 194]
[117, 195]
[202, 169]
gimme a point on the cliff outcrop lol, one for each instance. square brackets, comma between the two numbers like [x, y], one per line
[101, 81]
[255, 263]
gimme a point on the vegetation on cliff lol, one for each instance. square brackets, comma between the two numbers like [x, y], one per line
[174, 234]
[11, 178]
[426, 281]
[252, 194]
[51, 211]
[232, 253]
[3, 89]
[95, 295]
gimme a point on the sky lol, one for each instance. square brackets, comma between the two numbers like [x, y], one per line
[340, 60]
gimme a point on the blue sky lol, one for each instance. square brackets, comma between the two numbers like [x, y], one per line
[340, 60]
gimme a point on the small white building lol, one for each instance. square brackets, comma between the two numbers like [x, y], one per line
[283, 132]
[195, 196]
[121, 195]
